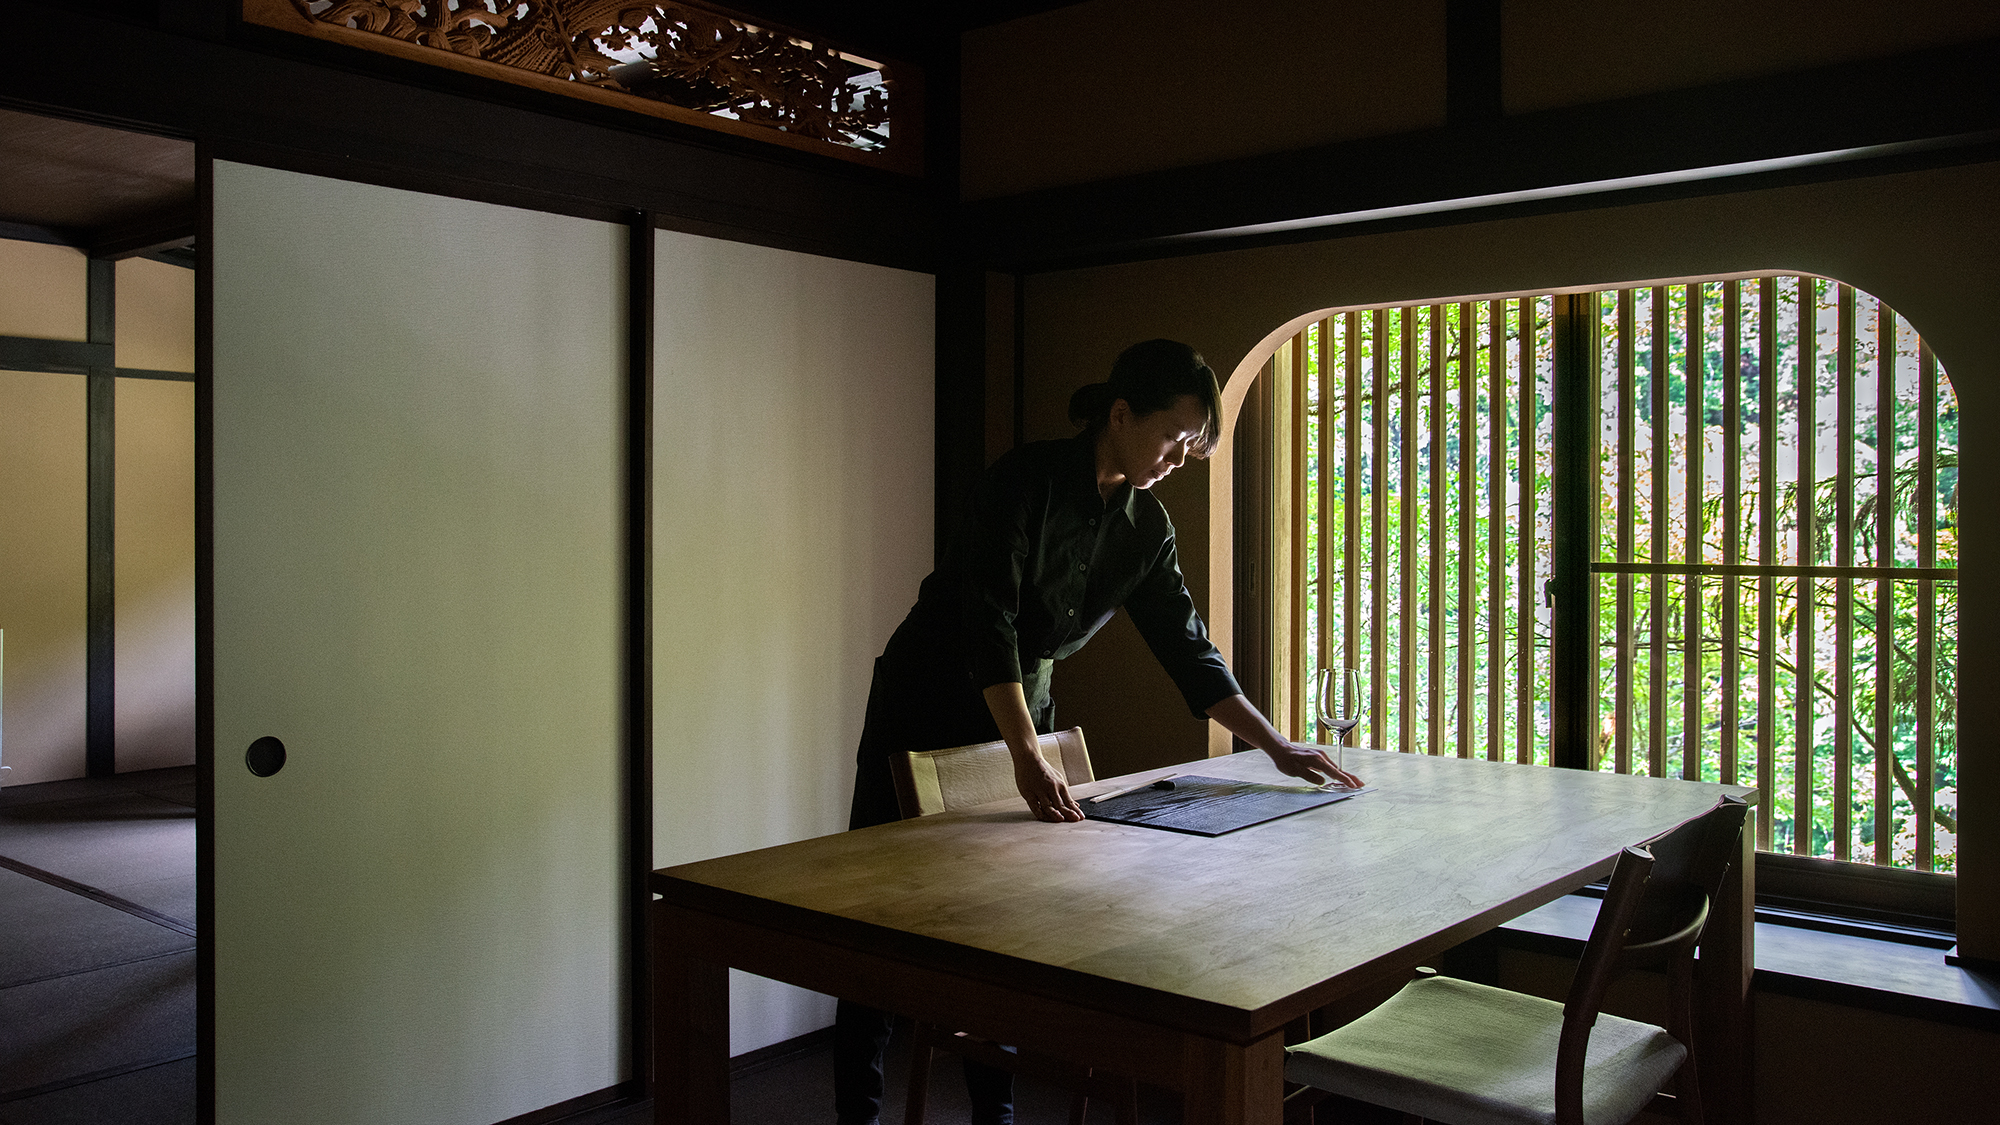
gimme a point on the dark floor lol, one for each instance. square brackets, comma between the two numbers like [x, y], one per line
[97, 908]
[97, 990]
[800, 1089]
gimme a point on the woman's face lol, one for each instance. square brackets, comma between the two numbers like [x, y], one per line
[1144, 448]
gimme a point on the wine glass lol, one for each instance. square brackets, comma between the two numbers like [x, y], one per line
[1342, 710]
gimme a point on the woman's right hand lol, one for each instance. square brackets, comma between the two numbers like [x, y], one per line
[1046, 793]
[1040, 785]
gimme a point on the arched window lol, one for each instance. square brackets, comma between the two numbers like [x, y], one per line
[1774, 585]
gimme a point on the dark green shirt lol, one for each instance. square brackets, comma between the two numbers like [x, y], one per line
[1041, 562]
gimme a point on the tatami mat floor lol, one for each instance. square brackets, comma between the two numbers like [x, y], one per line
[97, 908]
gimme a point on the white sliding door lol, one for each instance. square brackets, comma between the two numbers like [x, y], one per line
[416, 428]
[792, 481]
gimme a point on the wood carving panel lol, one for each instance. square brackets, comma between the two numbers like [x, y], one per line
[677, 54]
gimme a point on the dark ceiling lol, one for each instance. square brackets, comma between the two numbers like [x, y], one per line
[108, 192]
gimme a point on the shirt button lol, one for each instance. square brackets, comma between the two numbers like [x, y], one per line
[1083, 566]
[1071, 612]
[1093, 523]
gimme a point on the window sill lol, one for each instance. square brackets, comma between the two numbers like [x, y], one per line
[1887, 969]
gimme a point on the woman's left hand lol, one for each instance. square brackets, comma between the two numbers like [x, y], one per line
[1307, 763]
[1310, 763]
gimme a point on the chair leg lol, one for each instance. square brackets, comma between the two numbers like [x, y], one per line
[916, 1101]
[1079, 1108]
[1687, 1093]
[1128, 1101]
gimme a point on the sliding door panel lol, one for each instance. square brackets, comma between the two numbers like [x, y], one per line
[415, 432]
[793, 430]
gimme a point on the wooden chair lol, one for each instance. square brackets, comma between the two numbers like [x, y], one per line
[1467, 1054]
[936, 780]
[932, 781]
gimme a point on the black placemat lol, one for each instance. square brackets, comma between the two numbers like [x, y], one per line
[1211, 806]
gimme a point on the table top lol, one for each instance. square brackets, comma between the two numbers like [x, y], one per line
[1229, 936]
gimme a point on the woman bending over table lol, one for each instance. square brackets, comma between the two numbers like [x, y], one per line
[1058, 537]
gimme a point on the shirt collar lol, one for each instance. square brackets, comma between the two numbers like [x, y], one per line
[1124, 499]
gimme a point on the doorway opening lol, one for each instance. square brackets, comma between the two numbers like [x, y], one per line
[97, 778]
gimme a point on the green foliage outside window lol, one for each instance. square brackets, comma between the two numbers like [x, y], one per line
[1440, 607]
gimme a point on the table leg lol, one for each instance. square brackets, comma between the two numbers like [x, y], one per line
[690, 1036]
[1723, 1032]
[1232, 1085]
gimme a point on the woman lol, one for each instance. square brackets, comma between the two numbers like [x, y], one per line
[1060, 535]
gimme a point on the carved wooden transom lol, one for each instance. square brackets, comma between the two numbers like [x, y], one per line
[678, 54]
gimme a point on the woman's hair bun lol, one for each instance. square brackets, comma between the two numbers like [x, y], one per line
[1090, 403]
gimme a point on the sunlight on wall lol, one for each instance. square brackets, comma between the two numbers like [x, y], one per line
[155, 316]
[154, 647]
[41, 291]
[41, 574]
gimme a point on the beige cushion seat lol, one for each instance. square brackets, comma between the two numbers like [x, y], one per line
[1460, 1053]
[1468, 1054]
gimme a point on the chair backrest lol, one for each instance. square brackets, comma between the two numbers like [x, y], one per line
[931, 781]
[1655, 907]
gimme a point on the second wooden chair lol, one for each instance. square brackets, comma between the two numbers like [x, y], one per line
[1462, 1053]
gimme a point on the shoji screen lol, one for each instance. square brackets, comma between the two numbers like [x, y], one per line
[416, 537]
[792, 476]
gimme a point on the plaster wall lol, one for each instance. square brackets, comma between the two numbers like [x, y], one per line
[792, 482]
[1572, 52]
[1113, 87]
[1118, 87]
[41, 291]
[154, 604]
[41, 576]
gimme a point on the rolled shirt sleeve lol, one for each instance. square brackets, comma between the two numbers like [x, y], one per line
[1164, 613]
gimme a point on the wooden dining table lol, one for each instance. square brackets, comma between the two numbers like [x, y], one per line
[1178, 960]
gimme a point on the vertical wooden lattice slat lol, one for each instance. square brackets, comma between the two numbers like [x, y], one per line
[1435, 636]
[1496, 486]
[1926, 678]
[1660, 462]
[1695, 371]
[1378, 512]
[1323, 510]
[1406, 526]
[1350, 593]
[1528, 595]
[1843, 604]
[1806, 361]
[1732, 519]
[1468, 463]
[1627, 482]
[1885, 557]
[1295, 482]
[1767, 547]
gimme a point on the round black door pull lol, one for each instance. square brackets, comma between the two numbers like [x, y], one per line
[265, 757]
